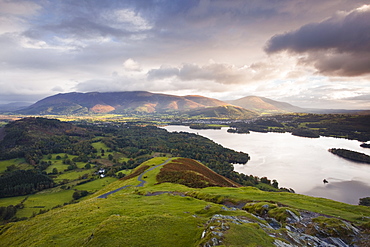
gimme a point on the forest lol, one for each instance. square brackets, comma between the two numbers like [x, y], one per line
[23, 182]
[353, 127]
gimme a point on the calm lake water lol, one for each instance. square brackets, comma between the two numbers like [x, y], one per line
[297, 162]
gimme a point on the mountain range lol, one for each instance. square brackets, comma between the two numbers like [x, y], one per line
[142, 102]
[119, 102]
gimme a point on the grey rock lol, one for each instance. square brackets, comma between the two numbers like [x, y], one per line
[337, 242]
[220, 234]
[274, 223]
[280, 243]
[292, 218]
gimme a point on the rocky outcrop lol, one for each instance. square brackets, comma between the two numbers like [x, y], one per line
[285, 227]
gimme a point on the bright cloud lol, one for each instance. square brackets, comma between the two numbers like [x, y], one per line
[305, 51]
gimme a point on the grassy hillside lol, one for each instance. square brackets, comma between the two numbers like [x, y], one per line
[168, 214]
[117, 103]
[265, 106]
[227, 111]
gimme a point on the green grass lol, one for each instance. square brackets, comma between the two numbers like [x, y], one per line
[58, 165]
[126, 171]
[150, 176]
[129, 219]
[99, 145]
[74, 174]
[320, 205]
[250, 235]
[95, 185]
[44, 201]
[4, 202]
[150, 231]
[20, 163]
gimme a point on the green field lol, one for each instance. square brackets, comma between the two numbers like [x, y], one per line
[95, 185]
[44, 201]
[20, 163]
[74, 174]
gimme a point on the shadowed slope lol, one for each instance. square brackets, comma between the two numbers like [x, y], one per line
[192, 174]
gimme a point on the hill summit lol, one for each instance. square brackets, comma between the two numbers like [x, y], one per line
[265, 105]
[118, 102]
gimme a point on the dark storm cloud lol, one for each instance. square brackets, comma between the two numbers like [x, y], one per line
[337, 46]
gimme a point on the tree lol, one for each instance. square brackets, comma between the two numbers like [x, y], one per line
[364, 201]
[8, 212]
[79, 193]
[275, 184]
[55, 170]
[265, 180]
[76, 195]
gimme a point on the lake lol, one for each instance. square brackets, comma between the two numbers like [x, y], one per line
[297, 162]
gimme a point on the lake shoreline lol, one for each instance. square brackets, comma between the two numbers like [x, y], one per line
[303, 167]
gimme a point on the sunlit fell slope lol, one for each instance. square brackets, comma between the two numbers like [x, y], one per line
[145, 210]
[118, 103]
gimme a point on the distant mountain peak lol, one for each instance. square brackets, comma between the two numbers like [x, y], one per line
[118, 102]
[265, 105]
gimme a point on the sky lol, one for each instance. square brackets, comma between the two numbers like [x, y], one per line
[310, 53]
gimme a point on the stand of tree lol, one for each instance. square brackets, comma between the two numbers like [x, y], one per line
[303, 132]
[365, 145]
[6, 213]
[31, 138]
[23, 182]
[364, 201]
[351, 155]
[204, 126]
[354, 127]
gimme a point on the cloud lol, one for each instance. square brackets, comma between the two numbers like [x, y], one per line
[339, 45]
[19, 8]
[131, 65]
[220, 73]
[108, 85]
[57, 89]
[104, 45]
[14, 15]
[88, 21]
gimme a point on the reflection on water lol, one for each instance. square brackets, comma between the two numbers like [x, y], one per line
[297, 162]
[344, 191]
